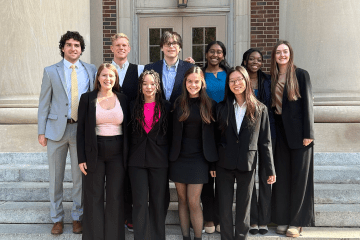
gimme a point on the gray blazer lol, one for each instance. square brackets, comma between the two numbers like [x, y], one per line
[53, 101]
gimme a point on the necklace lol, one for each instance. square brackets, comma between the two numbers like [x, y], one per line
[282, 73]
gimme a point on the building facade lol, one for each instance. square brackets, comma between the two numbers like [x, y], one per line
[323, 34]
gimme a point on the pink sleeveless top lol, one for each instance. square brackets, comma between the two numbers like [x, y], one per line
[148, 116]
[108, 122]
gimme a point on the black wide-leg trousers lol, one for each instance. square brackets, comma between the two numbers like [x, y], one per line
[244, 186]
[210, 201]
[293, 192]
[149, 219]
[99, 222]
[260, 212]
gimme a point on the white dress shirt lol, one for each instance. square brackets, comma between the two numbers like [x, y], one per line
[123, 69]
[239, 114]
[82, 79]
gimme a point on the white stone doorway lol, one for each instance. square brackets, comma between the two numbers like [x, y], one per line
[196, 31]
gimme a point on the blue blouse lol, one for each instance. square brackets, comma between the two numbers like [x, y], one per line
[215, 85]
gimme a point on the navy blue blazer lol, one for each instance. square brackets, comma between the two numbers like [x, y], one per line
[182, 68]
[264, 96]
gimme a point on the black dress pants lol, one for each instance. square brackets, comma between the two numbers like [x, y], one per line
[260, 212]
[293, 192]
[245, 183]
[210, 201]
[149, 219]
[100, 223]
[128, 199]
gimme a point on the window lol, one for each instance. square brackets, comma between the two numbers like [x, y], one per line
[155, 53]
[201, 37]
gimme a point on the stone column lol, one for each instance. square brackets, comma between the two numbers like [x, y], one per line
[30, 36]
[324, 36]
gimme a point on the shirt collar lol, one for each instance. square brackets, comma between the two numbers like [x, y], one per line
[67, 64]
[121, 67]
[168, 67]
[237, 105]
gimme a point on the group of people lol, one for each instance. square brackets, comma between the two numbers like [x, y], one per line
[130, 128]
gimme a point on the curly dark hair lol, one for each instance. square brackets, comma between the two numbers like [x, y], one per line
[68, 35]
[137, 116]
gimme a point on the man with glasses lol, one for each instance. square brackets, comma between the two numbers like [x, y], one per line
[171, 69]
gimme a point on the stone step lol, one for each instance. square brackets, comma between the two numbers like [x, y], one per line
[320, 158]
[38, 192]
[173, 232]
[327, 215]
[40, 173]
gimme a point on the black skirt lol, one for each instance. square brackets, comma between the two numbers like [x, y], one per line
[191, 167]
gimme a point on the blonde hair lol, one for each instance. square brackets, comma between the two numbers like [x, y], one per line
[120, 35]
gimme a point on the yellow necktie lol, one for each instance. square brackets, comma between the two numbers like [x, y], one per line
[74, 94]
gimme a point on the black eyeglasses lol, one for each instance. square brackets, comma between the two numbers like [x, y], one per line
[174, 44]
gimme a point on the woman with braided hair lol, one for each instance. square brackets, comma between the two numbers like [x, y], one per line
[148, 157]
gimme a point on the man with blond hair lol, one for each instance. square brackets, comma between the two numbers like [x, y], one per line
[128, 72]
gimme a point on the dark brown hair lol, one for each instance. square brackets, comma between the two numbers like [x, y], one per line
[169, 34]
[252, 104]
[71, 35]
[292, 84]
[137, 116]
[205, 100]
[111, 67]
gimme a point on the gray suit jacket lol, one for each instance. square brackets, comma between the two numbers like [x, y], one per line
[53, 101]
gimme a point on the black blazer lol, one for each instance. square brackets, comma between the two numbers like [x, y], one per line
[131, 81]
[182, 68]
[208, 137]
[264, 96]
[86, 139]
[237, 150]
[151, 149]
[298, 116]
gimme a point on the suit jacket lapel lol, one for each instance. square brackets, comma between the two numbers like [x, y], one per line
[233, 119]
[178, 78]
[91, 77]
[60, 70]
[92, 114]
[244, 124]
[158, 66]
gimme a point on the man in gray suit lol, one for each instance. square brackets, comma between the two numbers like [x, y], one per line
[61, 88]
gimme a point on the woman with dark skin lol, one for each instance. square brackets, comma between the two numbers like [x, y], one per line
[292, 100]
[215, 70]
[193, 148]
[260, 213]
[148, 157]
[244, 130]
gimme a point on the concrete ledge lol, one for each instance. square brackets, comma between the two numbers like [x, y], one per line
[39, 192]
[320, 158]
[40, 173]
[332, 215]
[42, 231]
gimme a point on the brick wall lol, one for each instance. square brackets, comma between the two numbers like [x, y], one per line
[264, 28]
[109, 27]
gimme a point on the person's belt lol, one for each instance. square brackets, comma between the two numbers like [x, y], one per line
[71, 121]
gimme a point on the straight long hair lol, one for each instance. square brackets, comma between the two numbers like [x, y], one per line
[291, 82]
[252, 104]
[205, 101]
[137, 116]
